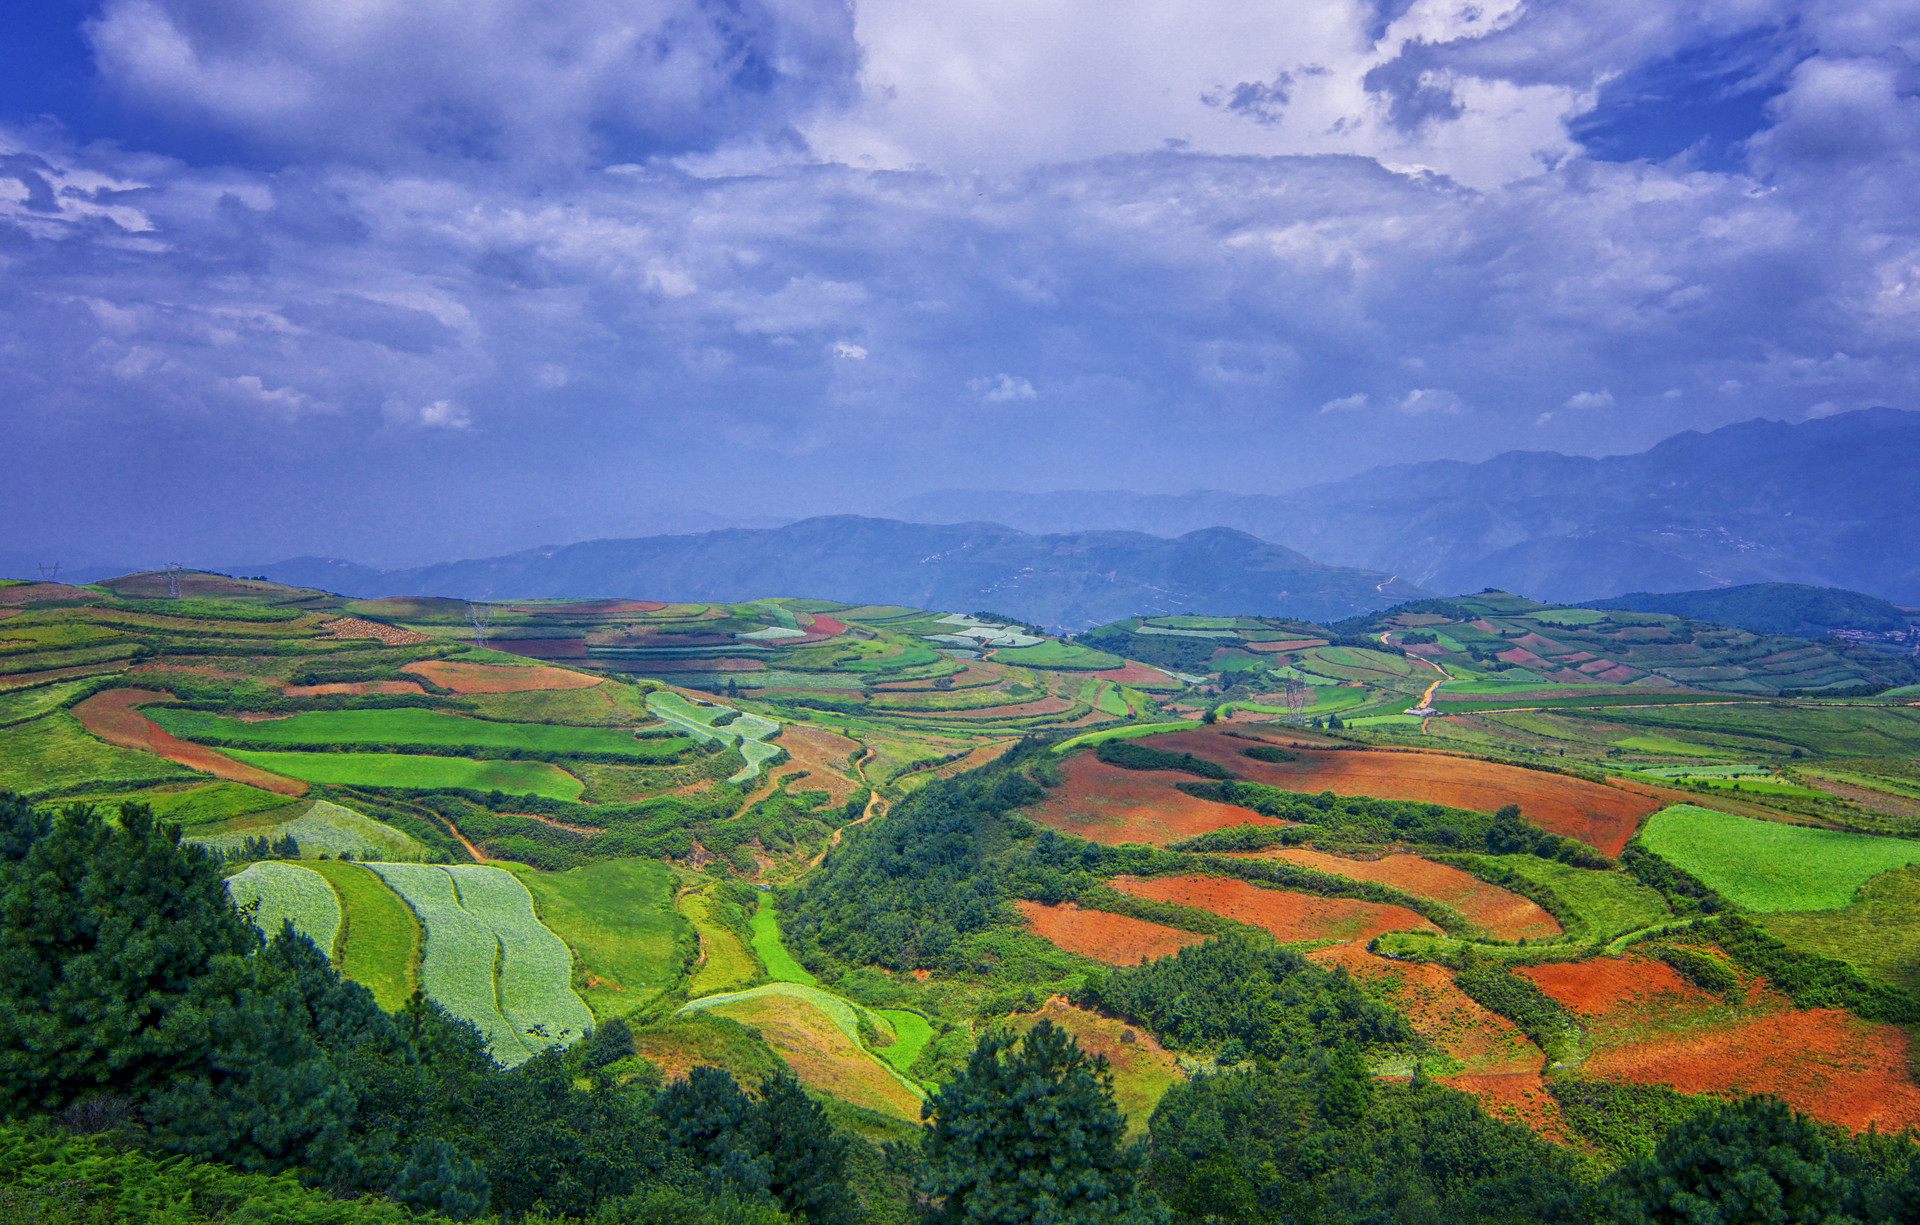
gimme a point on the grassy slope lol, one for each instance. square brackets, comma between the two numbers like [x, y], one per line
[417, 770]
[54, 752]
[1879, 932]
[1766, 865]
[409, 725]
[617, 916]
[781, 967]
[1611, 902]
[380, 938]
[726, 961]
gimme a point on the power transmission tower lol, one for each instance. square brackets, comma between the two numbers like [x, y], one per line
[1299, 697]
[173, 579]
[49, 571]
[482, 616]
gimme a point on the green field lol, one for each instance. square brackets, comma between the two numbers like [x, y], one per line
[54, 752]
[412, 726]
[844, 1014]
[1064, 655]
[321, 827]
[1125, 733]
[781, 967]
[381, 945]
[618, 917]
[726, 959]
[1610, 903]
[417, 770]
[1879, 932]
[535, 977]
[283, 892]
[19, 705]
[457, 965]
[911, 1033]
[1768, 866]
[194, 807]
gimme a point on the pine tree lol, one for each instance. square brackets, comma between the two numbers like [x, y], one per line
[1751, 1160]
[1029, 1133]
[807, 1161]
[709, 1119]
[438, 1178]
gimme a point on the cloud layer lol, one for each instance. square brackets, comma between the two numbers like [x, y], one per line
[505, 273]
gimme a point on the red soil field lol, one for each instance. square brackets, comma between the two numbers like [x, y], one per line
[360, 627]
[1134, 673]
[1115, 939]
[830, 627]
[112, 717]
[1021, 710]
[824, 756]
[1824, 1061]
[1288, 915]
[1602, 817]
[1601, 986]
[30, 593]
[497, 678]
[1104, 803]
[1484, 1042]
[1517, 1097]
[308, 691]
[1504, 915]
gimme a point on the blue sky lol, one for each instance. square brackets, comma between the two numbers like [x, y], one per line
[400, 281]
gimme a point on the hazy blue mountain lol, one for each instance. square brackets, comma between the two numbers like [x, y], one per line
[1071, 580]
[1831, 503]
[1775, 608]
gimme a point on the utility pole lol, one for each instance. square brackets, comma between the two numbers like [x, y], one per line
[482, 616]
[1299, 694]
[173, 579]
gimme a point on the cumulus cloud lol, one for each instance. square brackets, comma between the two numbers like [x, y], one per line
[1422, 400]
[1003, 387]
[1346, 404]
[1590, 399]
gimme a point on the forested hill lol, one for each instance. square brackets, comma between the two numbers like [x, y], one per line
[1069, 581]
[1775, 608]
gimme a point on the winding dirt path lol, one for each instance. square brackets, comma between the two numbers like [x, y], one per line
[111, 716]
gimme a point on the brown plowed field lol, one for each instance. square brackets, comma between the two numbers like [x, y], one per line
[1290, 916]
[112, 717]
[1504, 915]
[1021, 710]
[824, 756]
[1115, 939]
[1134, 673]
[360, 627]
[1484, 1042]
[309, 691]
[1104, 803]
[30, 593]
[1602, 817]
[500, 678]
[1285, 644]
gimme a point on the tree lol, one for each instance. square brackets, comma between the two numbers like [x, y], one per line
[1754, 1160]
[806, 1160]
[437, 1178]
[1029, 1133]
[715, 1124]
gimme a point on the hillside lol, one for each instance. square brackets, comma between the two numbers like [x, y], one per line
[1762, 501]
[1066, 581]
[1781, 608]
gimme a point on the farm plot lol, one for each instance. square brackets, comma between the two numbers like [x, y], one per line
[1105, 803]
[1143, 1070]
[1470, 1038]
[418, 770]
[380, 938]
[618, 916]
[1647, 1024]
[111, 716]
[1609, 903]
[413, 726]
[1116, 939]
[1767, 865]
[463, 677]
[283, 892]
[724, 959]
[772, 951]
[536, 968]
[323, 827]
[1601, 816]
[457, 964]
[748, 732]
[1879, 933]
[1501, 914]
[1291, 916]
[818, 1034]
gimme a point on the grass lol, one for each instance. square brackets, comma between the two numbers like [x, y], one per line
[381, 939]
[844, 1014]
[411, 725]
[726, 962]
[1844, 731]
[418, 770]
[618, 917]
[194, 807]
[911, 1034]
[20, 705]
[457, 966]
[54, 752]
[282, 892]
[1879, 932]
[1610, 903]
[781, 967]
[1125, 733]
[1769, 866]
[536, 967]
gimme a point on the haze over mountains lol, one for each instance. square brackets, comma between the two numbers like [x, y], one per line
[1832, 502]
[1071, 580]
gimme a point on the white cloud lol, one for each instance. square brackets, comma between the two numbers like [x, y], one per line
[847, 349]
[443, 415]
[1346, 404]
[1590, 399]
[1002, 387]
[1422, 400]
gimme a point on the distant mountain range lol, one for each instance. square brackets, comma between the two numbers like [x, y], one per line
[1063, 580]
[1779, 608]
[1832, 503]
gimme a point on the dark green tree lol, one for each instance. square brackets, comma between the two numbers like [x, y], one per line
[438, 1178]
[806, 1160]
[717, 1126]
[1755, 1160]
[1029, 1133]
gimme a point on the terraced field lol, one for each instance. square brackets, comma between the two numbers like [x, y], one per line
[430, 728]
[1769, 865]
[418, 770]
[275, 893]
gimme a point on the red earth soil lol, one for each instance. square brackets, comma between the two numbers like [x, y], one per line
[360, 627]
[112, 717]
[1603, 985]
[1115, 939]
[1504, 915]
[30, 593]
[1107, 804]
[824, 756]
[1285, 644]
[826, 626]
[1484, 1042]
[1290, 916]
[1022, 710]
[496, 678]
[308, 691]
[1517, 1097]
[1133, 673]
[977, 758]
[1602, 817]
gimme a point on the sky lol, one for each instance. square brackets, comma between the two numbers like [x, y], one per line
[407, 280]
